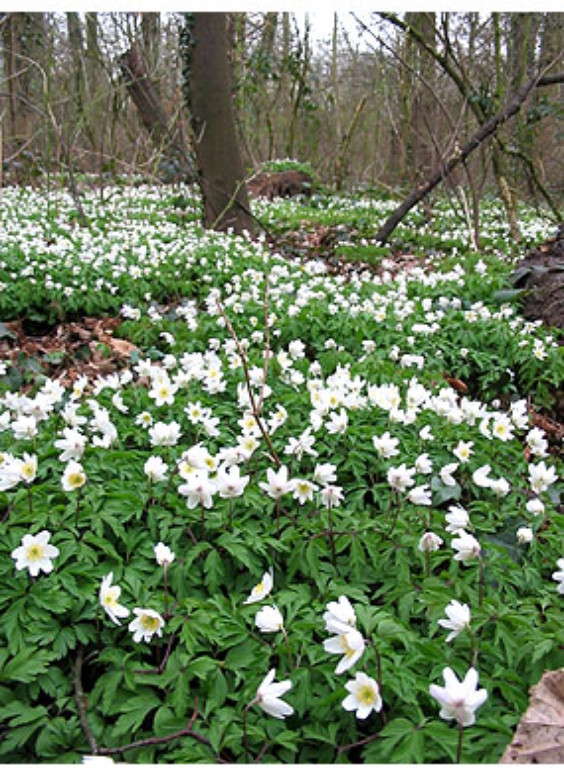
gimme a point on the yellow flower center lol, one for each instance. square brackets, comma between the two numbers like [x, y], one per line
[366, 695]
[27, 470]
[111, 597]
[347, 650]
[35, 552]
[76, 479]
[149, 623]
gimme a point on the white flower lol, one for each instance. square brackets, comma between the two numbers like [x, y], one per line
[155, 469]
[269, 619]
[163, 554]
[9, 472]
[459, 700]
[303, 444]
[325, 474]
[481, 476]
[423, 464]
[350, 644]
[109, 600]
[230, 483]
[164, 434]
[277, 484]
[27, 467]
[73, 476]
[198, 490]
[262, 589]
[386, 445]
[458, 519]
[502, 428]
[463, 451]
[364, 696]
[72, 444]
[468, 547]
[340, 616]
[524, 535]
[420, 495]
[500, 486]
[535, 506]
[426, 434]
[147, 624]
[559, 575]
[537, 442]
[458, 619]
[446, 474]
[332, 496]
[35, 553]
[541, 476]
[429, 542]
[303, 490]
[400, 478]
[268, 696]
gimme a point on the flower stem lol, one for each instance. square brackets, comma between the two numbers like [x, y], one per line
[480, 580]
[77, 509]
[331, 535]
[245, 739]
[287, 642]
[165, 589]
[459, 746]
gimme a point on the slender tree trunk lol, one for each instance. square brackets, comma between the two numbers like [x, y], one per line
[209, 96]
[176, 163]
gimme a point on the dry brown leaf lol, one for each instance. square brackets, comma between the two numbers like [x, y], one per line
[121, 346]
[540, 734]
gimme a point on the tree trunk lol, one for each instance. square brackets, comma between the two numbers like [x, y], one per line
[422, 97]
[19, 74]
[150, 32]
[209, 95]
[175, 163]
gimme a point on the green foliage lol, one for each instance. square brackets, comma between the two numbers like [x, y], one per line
[351, 359]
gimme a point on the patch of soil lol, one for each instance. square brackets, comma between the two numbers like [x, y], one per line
[541, 274]
[83, 348]
[320, 242]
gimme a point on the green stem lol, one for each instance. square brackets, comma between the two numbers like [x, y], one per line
[289, 652]
[165, 581]
[77, 509]
[331, 535]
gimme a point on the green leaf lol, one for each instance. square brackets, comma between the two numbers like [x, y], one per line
[135, 711]
[27, 665]
[215, 570]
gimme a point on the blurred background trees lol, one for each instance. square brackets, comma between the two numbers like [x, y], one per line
[380, 104]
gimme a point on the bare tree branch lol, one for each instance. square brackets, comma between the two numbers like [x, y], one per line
[486, 130]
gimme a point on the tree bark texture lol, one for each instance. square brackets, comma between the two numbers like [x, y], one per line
[166, 137]
[209, 96]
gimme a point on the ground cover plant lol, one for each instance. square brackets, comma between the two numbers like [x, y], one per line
[311, 518]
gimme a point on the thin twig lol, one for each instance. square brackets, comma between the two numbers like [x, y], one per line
[187, 731]
[254, 407]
